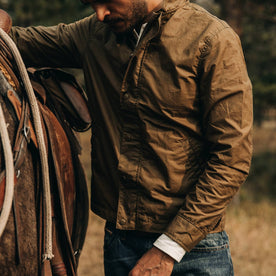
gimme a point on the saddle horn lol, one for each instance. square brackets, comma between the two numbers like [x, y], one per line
[5, 21]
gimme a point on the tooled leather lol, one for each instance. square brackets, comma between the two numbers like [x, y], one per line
[7, 66]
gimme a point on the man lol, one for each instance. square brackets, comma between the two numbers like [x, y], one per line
[171, 104]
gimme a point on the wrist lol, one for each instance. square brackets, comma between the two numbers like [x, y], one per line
[170, 247]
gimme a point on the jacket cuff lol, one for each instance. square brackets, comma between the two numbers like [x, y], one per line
[170, 247]
[184, 232]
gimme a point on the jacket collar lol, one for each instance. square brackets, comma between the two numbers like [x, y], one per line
[162, 14]
[171, 5]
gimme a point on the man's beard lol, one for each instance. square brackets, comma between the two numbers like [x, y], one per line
[140, 12]
[134, 17]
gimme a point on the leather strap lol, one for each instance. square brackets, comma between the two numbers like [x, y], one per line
[16, 229]
[57, 263]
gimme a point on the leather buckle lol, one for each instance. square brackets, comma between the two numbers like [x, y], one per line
[26, 133]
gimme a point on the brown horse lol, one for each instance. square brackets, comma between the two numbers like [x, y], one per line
[22, 243]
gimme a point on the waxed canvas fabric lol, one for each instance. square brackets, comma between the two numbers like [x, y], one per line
[172, 119]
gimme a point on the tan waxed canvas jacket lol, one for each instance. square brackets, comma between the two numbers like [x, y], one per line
[172, 119]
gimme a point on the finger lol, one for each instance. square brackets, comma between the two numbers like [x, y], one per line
[137, 270]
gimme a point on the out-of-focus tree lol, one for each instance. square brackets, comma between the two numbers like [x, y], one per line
[44, 12]
[236, 11]
[255, 22]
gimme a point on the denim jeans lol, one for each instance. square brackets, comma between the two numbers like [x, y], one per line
[122, 249]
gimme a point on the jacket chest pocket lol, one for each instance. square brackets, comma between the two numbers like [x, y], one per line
[166, 84]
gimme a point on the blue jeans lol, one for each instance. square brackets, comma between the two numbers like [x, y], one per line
[122, 249]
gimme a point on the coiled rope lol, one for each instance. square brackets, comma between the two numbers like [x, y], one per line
[48, 255]
[7, 204]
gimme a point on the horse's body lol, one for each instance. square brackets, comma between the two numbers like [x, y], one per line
[23, 241]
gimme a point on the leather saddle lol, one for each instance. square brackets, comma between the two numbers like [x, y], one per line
[68, 181]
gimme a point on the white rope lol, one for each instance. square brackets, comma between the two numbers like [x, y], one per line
[48, 255]
[7, 204]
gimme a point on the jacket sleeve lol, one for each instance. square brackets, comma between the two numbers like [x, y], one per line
[55, 46]
[227, 117]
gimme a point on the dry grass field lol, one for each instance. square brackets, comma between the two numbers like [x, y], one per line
[251, 226]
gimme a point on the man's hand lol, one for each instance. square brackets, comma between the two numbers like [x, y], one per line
[153, 262]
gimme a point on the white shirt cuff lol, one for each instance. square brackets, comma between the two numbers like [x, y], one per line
[170, 247]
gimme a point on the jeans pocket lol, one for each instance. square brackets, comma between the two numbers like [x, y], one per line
[212, 242]
[110, 236]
